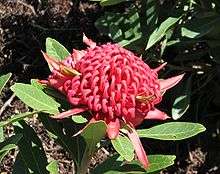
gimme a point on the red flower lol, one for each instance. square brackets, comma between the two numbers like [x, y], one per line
[114, 84]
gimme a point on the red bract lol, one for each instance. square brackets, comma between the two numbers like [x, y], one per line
[115, 85]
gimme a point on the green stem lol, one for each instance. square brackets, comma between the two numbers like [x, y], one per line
[83, 168]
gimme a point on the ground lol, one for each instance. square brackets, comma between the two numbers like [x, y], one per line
[24, 25]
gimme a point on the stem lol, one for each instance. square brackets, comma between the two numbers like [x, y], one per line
[6, 104]
[83, 168]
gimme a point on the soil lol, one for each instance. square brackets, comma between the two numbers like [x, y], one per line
[24, 26]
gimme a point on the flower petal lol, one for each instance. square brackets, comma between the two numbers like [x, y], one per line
[51, 61]
[170, 82]
[113, 127]
[160, 67]
[137, 120]
[88, 42]
[70, 112]
[59, 66]
[141, 154]
[156, 114]
[68, 71]
[77, 55]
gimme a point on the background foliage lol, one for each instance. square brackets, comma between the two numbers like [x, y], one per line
[184, 33]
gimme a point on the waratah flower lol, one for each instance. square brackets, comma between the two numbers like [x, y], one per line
[114, 85]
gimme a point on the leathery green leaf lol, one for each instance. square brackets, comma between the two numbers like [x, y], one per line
[124, 147]
[172, 131]
[35, 98]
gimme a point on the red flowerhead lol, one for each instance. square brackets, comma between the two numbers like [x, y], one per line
[114, 84]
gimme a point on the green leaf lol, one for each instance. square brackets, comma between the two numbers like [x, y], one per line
[36, 84]
[172, 131]
[148, 16]
[160, 32]
[181, 103]
[122, 28]
[79, 147]
[180, 106]
[79, 119]
[15, 118]
[31, 149]
[185, 32]
[3, 80]
[92, 134]
[116, 166]
[111, 2]
[2, 138]
[159, 162]
[57, 95]
[19, 166]
[55, 49]
[73, 145]
[124, 147]
[35, 98]
[109, 164]
[200, 26]
[53, 167]
[9, 144]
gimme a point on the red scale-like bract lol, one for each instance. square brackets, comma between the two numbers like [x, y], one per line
[111, 79]
[112, 83]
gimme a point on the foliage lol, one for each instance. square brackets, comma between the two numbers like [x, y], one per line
[185, 34]
[151, 30]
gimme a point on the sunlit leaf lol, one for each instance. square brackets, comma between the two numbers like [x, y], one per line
[122, 28]
[92, 139]
[9, 144]
[55, 94]
[148, 16]
[181, 103]
[55, 49]
[114, 165]
[2, 138]
[92, 134]
[160, 32]
[172, 131]
[79, 119]
[3, 80]
[159, 162]
[124, 147]
[190, 33]
[199, 26]
[35, 98]
[36, 84]
[17, 117]
[111, 2]
[52, 167]
[31, 149]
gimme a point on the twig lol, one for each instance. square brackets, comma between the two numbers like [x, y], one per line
[105, 151]
[28, 6]
[6, 104]
[53, 29]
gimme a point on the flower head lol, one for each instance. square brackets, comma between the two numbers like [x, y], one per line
[114, 84]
